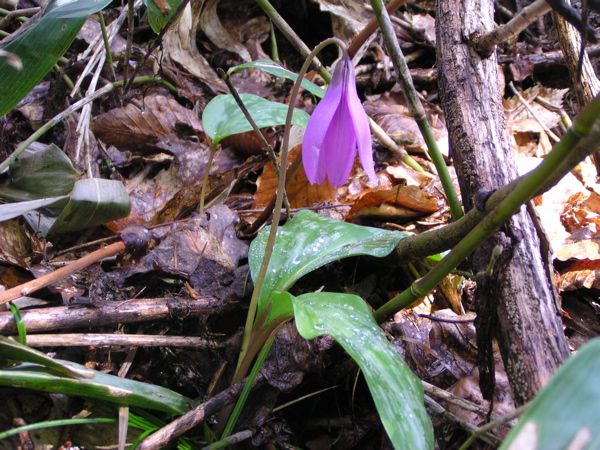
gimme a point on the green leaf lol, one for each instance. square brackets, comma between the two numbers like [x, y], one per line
[92, 202]
[65, 377]
[222, 117]
[53, 423]
[18, 352]
[309, 241]
[566, 412]
[156, 18]
[102, 386]
[12, 210]
[273, 68]
[39, 45]
[397, 392]
[41, 171]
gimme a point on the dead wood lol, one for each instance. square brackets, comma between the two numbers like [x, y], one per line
[129, 311]
[520, 297]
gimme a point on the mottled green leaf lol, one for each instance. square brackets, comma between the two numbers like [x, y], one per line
[397, 392]
[41, 171]
[39, 45]
[309, 241]
[94, 201]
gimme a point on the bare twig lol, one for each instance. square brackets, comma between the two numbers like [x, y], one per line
[439, 409]
[235, 438]
[485, 45]
[63, 272]
[453, 399]
[194, 417]
[524, 102]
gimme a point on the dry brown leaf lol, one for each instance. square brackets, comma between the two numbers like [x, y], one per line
[579, 279]
[211, 25]
[390, 112]
[588, 249]
[549, 118]
[551, 204]
[179, 46]
[300, 192]
[582, 210]
[14, 243]
[139, 125]
[397, 204]
[409, 175]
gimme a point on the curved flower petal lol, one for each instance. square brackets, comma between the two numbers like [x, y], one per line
[319, 123]
[339, 147]
[362, 130]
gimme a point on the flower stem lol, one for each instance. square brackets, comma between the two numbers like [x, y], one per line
[415, 106]
[584, 135]
[109, 60]
[278, 201]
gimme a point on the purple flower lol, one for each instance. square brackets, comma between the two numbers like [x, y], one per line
[337, 127]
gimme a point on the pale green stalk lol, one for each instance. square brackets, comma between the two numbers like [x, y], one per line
[416, 107]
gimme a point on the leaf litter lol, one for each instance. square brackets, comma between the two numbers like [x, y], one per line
[154, 142]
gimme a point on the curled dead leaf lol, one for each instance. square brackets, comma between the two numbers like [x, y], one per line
[400, 203]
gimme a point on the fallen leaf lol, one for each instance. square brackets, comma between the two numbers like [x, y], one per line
[390, 112]
[179, 46]
[300, 192]
[397, 204]
[140, 125]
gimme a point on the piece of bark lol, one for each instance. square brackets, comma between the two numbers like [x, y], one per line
[529, 329]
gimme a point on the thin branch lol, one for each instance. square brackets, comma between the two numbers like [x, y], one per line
[40, 320]
[63, 272]
[415, 107]
[194, 417]
[580, 141]
[485, 44]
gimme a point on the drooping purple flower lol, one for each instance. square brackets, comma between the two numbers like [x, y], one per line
[337, 128]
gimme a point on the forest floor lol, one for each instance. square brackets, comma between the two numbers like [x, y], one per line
[152, 139]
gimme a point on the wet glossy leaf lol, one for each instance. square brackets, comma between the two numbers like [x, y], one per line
[309, 241]
[39, 45]
[273, 68]
[565, 414]
[397, 392]
[222, 117]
